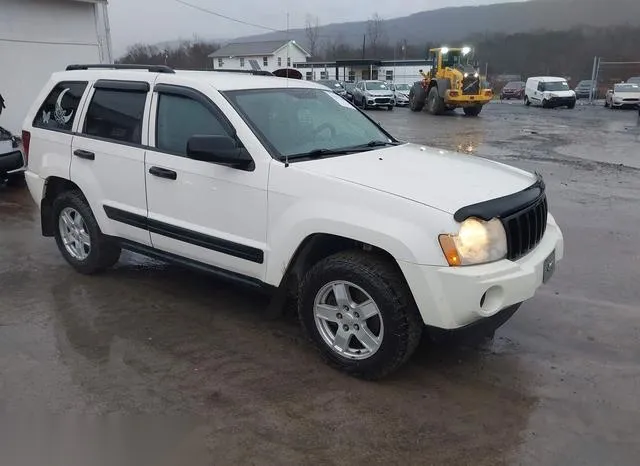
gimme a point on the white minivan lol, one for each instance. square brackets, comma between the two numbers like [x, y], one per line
[549, 92]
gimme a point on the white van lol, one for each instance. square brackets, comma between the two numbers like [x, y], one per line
[549, 92]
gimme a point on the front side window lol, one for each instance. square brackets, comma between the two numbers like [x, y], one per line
[292, 122]
[179, 118]
[541, 86]
[60, 107]
[116, 115]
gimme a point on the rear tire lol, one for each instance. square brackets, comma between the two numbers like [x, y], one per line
[435, 103]
[417, 97]
[394, 321]
[86, 249]
[472, 111]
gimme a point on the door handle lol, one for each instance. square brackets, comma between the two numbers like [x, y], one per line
[84, 154]
[163, 173]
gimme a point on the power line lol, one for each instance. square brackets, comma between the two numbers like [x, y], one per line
[220, 15]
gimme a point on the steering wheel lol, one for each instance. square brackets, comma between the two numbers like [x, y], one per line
[324, 126]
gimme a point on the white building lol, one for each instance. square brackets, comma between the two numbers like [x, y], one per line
[38, 37]
[259, 56]
[398, 71]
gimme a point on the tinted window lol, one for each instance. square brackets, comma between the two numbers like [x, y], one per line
[179, 118]
[116, 115]
[60, 107]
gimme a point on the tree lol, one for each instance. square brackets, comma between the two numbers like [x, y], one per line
[312, 33]
[375, 34]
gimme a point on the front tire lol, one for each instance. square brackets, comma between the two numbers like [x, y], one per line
[390, 107]
[472, 111]
[527, 102]
[435, 103]
[417, 98]
[78, 235]
[358, 311]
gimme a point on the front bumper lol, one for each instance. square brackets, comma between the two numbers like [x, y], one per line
[402, 100]
[452, 297]
[11, 162]
[380, 101]
[626, 103]
[561, 101]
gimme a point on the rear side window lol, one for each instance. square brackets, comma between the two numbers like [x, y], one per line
[60, 107]
[116, 115]
[179, 118]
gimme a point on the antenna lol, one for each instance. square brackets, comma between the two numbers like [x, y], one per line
[286, 157]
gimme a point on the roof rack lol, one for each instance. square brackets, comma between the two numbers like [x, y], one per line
[150, 68]
[254, 72]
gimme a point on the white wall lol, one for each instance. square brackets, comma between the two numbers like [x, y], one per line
[401, 74]
[38, 37]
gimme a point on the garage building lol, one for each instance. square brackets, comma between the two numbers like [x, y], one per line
[38, 37]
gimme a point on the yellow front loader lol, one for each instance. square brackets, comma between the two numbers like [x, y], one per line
[453, 82]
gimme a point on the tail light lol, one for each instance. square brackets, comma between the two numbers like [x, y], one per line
[26, 141]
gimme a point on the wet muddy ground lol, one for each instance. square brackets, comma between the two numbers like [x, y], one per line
[559, 385]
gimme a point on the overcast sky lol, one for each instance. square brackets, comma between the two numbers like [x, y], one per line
[153, 21]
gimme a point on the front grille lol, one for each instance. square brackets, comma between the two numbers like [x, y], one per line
[526, 228]
[470, 86]
[382, 100]
[629, 100]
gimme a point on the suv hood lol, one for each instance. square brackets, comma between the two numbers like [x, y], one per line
[380, 93]
[550, 94]
[433, 177]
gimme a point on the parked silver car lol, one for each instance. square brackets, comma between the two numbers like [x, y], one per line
[373, 94]
[401, 93]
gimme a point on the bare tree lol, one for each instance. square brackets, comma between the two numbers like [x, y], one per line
[312, 32]
[375, 34]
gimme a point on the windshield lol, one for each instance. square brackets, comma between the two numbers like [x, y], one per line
[454, 58]
[635, 79]
[402, 87]
[584, 84]
[627, 88]
[291, 122]
[555, 86]
[514, 85]
[375, 86]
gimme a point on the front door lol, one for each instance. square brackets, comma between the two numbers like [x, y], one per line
[206, 212]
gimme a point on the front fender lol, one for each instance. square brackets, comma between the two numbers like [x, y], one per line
[408, 231]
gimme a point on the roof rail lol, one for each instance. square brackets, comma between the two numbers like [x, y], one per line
[254, 72]
[150, 68]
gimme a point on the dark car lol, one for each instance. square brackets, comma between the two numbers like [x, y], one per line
[584, 88]
[349, 87]
[335, 86]
[513, 90]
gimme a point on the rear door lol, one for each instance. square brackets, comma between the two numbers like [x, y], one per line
[108, 157]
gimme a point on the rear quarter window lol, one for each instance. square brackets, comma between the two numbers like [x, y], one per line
[60, 107]
[116, 115]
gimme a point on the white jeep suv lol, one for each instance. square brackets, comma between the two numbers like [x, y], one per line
[284, 185]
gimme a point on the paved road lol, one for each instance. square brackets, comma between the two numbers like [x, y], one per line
[558, 386]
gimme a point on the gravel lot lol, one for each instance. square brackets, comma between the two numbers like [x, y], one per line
[558, 386]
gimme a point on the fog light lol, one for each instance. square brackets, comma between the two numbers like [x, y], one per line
[492, 300]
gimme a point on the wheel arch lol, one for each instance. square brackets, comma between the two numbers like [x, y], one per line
[53, 187]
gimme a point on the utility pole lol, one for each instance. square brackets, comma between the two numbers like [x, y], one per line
[364, 44]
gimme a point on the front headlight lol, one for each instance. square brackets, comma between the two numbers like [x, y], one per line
[477, 242]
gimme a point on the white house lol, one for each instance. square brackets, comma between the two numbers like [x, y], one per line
[266, 56]
[398, 71]
[38, 37]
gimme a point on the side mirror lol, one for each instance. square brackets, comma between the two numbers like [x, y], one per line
[222, 150]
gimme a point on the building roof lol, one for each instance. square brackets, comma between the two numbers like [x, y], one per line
[253, 49]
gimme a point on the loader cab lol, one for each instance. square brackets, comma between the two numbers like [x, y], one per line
[445, 57]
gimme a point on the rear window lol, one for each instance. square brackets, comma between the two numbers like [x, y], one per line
[116, 115]
[60, 107]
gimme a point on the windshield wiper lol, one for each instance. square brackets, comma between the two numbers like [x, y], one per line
[321, 152]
